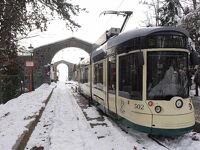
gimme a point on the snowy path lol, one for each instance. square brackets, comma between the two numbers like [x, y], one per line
[63, 125]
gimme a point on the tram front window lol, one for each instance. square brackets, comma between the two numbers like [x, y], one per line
[167, 75]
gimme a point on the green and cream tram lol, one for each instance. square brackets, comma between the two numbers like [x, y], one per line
[141, 78]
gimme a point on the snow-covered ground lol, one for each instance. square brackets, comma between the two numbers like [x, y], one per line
[64, 125]
[18, 113]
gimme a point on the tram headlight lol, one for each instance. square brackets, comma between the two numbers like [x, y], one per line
[158, 109]
[179, 103]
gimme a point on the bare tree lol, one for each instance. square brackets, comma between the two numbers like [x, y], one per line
[154, 6]
[191, 21]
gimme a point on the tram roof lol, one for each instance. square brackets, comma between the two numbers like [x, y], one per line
[142, 33]
[100, 52]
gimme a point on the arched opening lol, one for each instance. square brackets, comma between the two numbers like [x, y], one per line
[68, 57]
[72, 55]
[62, 72]
[45, 56]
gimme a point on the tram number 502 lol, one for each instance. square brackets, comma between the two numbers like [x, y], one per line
[139, 106]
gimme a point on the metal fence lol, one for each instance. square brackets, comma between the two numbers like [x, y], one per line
[11, 86]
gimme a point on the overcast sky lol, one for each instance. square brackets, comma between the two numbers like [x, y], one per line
[92, 24]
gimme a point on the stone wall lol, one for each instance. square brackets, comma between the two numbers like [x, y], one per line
[42, 57]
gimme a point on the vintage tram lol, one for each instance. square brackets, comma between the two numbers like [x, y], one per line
[140, 77]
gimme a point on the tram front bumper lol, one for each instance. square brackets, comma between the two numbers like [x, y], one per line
[173, 124]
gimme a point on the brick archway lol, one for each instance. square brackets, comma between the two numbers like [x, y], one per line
[43, 55]
[69, 65]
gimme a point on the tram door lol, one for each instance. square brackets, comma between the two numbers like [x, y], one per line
[111, 81]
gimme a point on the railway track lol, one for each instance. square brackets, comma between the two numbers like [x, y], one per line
[168, 143]
[83, 104]
[164, 143]
[158, 141]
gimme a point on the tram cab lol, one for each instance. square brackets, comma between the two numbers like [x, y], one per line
[140, 77]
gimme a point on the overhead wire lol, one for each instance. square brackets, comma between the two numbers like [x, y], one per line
[120, 4]
[111, 17]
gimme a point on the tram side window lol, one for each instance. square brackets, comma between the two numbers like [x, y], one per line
[98, 76]
[95, 73]
[130, 77]
[112, 74]
[81, 75]
[85, 75]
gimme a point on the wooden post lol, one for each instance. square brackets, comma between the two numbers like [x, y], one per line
[30, 78]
